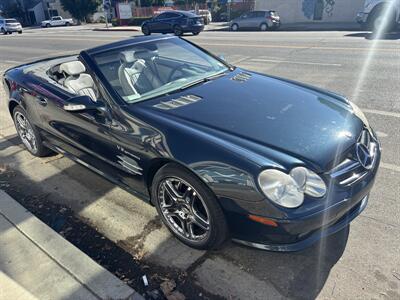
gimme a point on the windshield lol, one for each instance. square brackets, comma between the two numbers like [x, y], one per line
[150, 69]
[11, 21]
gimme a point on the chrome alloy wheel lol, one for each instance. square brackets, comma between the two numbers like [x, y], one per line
[184, 209]
[25, 132]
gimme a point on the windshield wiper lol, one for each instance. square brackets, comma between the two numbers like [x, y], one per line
[196, 82]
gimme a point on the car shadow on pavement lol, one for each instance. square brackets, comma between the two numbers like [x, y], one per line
[296, 275]
[371, 36]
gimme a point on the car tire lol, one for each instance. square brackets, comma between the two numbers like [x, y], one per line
[199, 206]
[234, 27]
[48, 25]
[29, 135]
[146, 30]
[67, 24]
[19, 32]
[178, 30]
[264, 27]
[196, 32]
[376, 19]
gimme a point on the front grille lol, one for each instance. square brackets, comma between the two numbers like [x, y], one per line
[352, 169]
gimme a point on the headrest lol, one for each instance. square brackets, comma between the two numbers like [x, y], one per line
[73, 68]
[139, 65]
[127, 56]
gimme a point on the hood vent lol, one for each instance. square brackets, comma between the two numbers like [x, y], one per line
[242, 77]
[175, 103]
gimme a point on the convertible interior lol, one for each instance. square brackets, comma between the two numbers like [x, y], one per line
[133, 72]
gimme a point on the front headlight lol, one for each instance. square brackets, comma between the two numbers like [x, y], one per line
[280, 188]
[309, 182]
[288, 190]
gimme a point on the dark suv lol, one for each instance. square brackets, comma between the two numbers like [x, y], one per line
[177, 22]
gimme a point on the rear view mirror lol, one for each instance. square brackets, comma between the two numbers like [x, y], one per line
[81, 103]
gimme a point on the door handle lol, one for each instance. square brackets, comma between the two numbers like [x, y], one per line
[41, 101]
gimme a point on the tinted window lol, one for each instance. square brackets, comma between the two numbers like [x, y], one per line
[260, 14]
[171, 15]
[56, 18]
[10, 21]
[253, 14]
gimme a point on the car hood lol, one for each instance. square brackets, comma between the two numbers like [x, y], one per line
[262, 113]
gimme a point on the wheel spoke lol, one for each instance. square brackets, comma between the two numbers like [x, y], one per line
[200, 222]
[171, 191]
[21, 121]
[187, 229]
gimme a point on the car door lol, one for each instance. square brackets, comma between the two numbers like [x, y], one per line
[158, 24]
[84, 134]
[56, 21]
[253, 20]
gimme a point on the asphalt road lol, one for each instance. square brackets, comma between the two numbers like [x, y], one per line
[360, 263]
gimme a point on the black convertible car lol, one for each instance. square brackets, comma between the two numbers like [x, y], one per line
[219, 151]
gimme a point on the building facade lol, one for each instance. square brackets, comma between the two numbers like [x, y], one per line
[295, 11]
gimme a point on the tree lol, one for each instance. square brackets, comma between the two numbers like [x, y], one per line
[80, 9]
[11, 9]
[147, 3]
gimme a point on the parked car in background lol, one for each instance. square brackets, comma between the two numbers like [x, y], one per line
[177, 22]
[262, 20]
[206, 14]
[223, 17]
[378, 13]
[57, 21]
[10, 26]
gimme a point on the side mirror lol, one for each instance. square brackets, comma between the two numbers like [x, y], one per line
[81, 103]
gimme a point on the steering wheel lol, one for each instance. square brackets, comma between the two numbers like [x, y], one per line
[176, 69]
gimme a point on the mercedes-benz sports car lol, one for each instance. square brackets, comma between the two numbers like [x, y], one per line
[220, 152]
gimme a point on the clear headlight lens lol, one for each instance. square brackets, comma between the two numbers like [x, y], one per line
[280, 188]
[288, 189]
[309, 182]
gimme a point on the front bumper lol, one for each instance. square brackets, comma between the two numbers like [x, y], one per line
[313, 237]
[301, 229]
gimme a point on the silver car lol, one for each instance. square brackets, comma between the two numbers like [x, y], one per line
[262, 20]
[10, 26]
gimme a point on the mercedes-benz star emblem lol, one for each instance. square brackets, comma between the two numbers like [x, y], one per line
[364, 156]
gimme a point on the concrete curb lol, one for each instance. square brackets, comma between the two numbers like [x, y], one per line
[87, 272]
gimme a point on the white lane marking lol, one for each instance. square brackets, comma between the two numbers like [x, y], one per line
[295, 62]
[381, 134]
[391, 167]
[381, 112]
[240, 60]
[14, 62]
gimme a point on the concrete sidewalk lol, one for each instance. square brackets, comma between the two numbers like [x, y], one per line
[37, 263]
